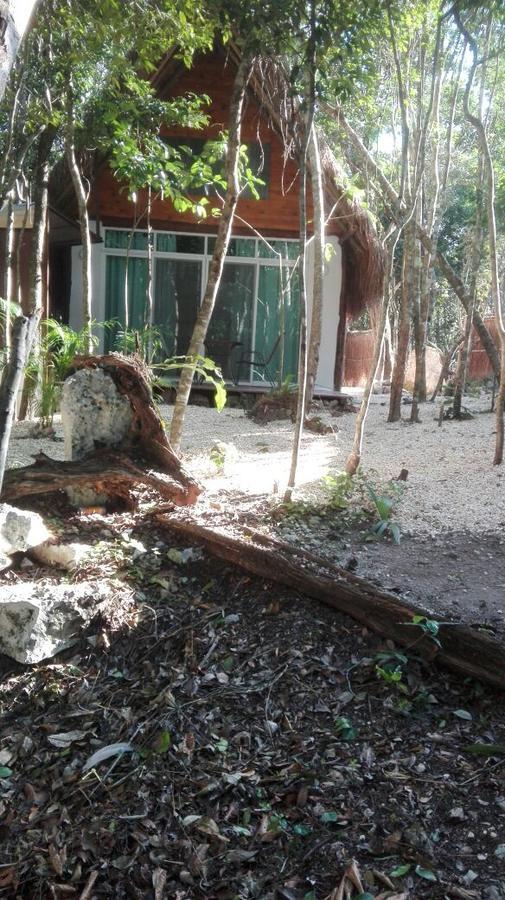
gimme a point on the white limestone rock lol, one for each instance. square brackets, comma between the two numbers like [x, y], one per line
[93, 413]
[63, 556]
[20, 529]
[40, 619]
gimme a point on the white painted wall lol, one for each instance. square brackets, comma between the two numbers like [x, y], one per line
[332, 283]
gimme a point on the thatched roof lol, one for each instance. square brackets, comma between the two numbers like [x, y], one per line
[362, 257]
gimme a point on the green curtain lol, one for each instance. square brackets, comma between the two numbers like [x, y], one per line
[177, 290]
[268, 320]
[232, 317]
[114, 295]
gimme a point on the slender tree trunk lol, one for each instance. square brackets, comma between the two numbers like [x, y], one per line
[475, 257]
[354, 458]
[82, 203]
[418, 326]
[11, 383]
[220, 248]
[25, 327]
[402, 349]
[9, 260]
[150, 298]
[444, 371]
[475, 260]
[14, 20]
[316, 179]
[21, 236]
[372, 170]
[307, 125]
[480, 129]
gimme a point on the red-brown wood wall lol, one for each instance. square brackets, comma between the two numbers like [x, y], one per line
[213, 75]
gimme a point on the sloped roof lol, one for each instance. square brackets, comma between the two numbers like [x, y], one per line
[363, 257]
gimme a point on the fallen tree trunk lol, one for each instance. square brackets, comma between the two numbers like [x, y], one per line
[148, 438]
[462, 649]
[106, 472]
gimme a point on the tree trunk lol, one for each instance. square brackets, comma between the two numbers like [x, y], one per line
[370, 169]
[14, 19]
[302, 354]
[402, 349]
[25, 328]
[444, 372]
[480, 129]
[220, 249]
[82, 204]
[466, 650]
[354, 458]
[11, 383]
[418, 326]
[475, 260]
[9, 260]
[319, 247]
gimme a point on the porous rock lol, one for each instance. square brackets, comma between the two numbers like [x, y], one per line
[20, 529]
[93, 413]
[63, 556]
[39, 619]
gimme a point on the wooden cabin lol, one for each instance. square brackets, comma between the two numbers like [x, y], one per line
[262, 253]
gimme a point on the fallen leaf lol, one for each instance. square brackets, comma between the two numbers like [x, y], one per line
[63, 740]
[106, 753]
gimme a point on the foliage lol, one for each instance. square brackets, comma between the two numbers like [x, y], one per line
[59, 345]
[340, 488]
[205, 369]
[384, 507]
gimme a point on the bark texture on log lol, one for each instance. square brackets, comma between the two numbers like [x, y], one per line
[106, 472]
[468, 652]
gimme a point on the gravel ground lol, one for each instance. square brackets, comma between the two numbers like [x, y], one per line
[452, 484]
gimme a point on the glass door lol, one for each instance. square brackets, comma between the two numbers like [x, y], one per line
[177, 290]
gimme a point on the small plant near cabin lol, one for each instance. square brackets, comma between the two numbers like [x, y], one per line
[384, 508]
[59, 346]
[389, 668]
[340, 488]
[205, 369]
[217, 456]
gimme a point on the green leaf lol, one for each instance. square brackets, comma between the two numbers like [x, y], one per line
[301, 829]
[427, 874]
[329, 817]
[401, 870]
[221, 746]
[395, 532]
[463, 714]
[5, 772]
[344, 729]
[163, 742]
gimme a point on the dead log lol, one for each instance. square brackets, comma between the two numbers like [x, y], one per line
[147, 438]
[462, 649]
[105, 472]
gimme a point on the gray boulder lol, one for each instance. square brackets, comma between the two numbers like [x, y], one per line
[20, 529]
[93, 413]
[39, 619]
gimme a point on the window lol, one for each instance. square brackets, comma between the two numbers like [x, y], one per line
[258, 297]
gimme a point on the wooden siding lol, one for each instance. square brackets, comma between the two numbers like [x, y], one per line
[277, 215]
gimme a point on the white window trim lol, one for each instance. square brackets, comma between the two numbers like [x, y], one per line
[205, 258]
